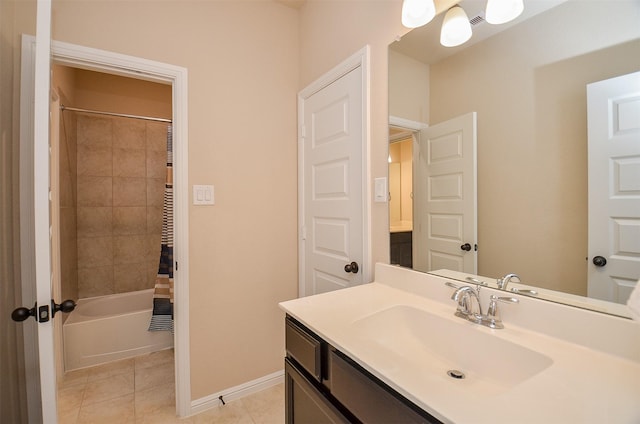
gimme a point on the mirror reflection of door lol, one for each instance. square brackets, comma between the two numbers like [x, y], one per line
[401, 196]
[614, 186]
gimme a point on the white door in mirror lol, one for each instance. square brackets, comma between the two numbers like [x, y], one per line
[445, 192]
[614, 187]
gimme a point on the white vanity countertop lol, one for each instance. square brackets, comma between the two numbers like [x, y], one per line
[582, 384]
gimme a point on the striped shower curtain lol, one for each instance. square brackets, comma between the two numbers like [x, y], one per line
[162, 317]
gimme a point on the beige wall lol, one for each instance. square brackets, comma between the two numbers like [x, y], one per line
[242, 60]
[408, 88]
[529, 89]
[112, 93]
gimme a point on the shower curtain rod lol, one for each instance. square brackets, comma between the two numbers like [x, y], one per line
[123, 115]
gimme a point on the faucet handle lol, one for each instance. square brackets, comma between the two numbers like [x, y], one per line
[492, 319]
[476, 281]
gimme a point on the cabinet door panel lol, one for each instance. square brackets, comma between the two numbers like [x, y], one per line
[305, 403]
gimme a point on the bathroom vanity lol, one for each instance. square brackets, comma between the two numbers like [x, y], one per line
[393, 351]
[325, 385]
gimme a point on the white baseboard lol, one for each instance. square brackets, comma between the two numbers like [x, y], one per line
[237, 392]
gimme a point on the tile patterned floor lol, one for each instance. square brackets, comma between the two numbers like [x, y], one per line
[141, 390]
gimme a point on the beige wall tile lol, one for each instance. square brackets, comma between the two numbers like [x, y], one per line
[155, 191]
[131, 277]
[95, 191]
[129, 249]
[94, 221]
[129, 163]
[156, 164]
[129, 220]
[129, 134]
[152, 268]
[154, 220]
[95, 160]
[153, 246]
[95, 130]
[129, 191]
[157, 136]
[67, 192]
[97, 281]
[95, 251]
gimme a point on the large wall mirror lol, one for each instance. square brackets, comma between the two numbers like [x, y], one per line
[527, 82]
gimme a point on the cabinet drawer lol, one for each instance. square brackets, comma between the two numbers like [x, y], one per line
[305, 347]
[369, 399]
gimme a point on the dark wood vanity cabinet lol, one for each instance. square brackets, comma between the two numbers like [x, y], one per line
[323, 385]
[401, 248]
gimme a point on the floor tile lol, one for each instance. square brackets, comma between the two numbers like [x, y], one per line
[73, 377]
[118, 410]
[266, 406]
[148, 402]
[99, 372]
[108, 388]
[142, 390]
[146, 378]
[232, 413]
[155, 359]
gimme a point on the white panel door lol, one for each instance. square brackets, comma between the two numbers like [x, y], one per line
[35, 224]
[332, 177]
[445, 230]
[614, 187]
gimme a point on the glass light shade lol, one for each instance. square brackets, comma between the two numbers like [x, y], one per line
[503, 11]
[416, 13]
[456, 28]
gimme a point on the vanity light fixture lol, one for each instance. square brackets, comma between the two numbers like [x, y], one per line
[416, 13]
[503, 11]
[456, 28]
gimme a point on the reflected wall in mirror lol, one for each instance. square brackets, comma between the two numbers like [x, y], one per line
[527, 84]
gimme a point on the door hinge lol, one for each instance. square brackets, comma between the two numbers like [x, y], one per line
[302, 131]
[303, 232]
[176, 265]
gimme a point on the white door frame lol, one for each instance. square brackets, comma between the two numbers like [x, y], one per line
[134, 67]
[358, 59]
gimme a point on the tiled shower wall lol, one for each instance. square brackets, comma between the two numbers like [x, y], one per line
[68, 207]
[121, 174]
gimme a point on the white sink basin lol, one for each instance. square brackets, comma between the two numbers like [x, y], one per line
[405, 336]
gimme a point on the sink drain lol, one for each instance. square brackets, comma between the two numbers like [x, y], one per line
[456, 374]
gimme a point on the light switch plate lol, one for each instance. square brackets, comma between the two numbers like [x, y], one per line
[381, 190]
[203, 195]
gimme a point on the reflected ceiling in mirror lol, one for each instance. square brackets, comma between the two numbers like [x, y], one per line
[527, 82]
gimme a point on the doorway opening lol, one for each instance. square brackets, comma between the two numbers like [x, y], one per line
[112, 141]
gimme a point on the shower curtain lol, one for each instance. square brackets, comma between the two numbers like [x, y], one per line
[162, 316]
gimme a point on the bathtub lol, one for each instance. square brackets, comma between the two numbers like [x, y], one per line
[107, 328]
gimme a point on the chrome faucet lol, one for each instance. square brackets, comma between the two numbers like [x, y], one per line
[492, 319]
[464, 296]
[502, 282]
